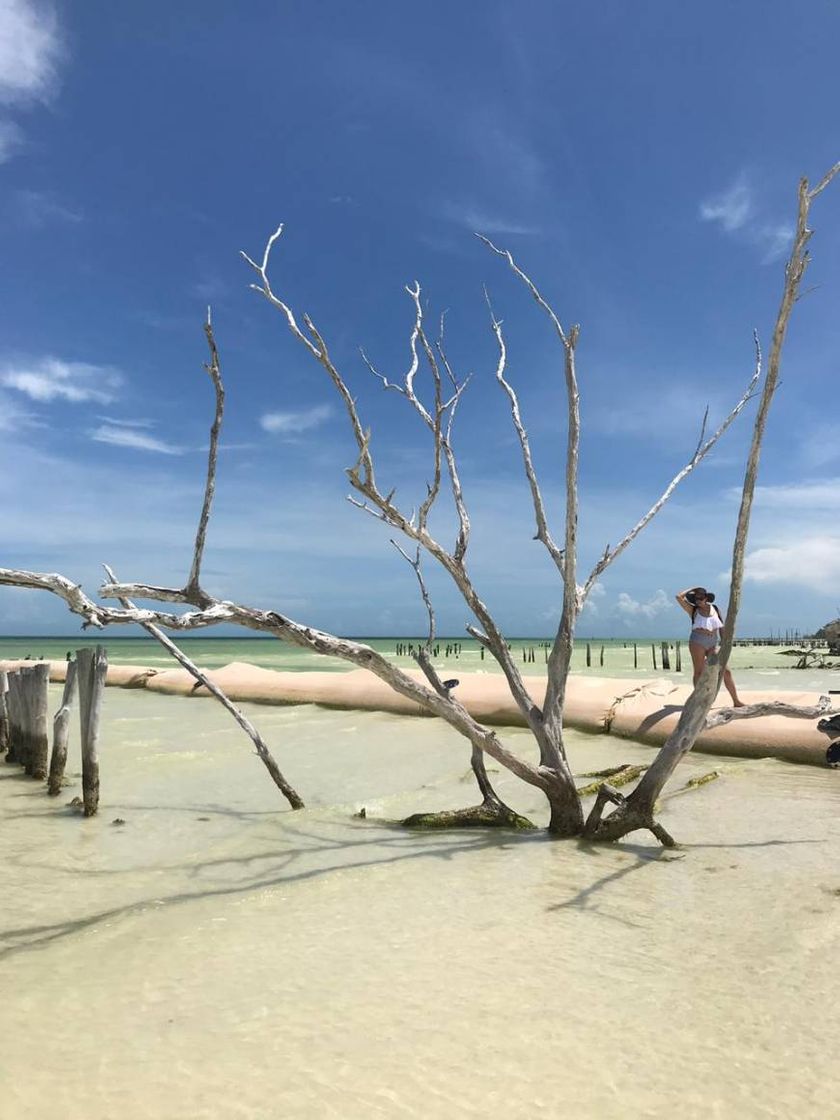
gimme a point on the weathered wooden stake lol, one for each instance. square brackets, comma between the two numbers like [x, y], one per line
[13, 715]
[61, 732]
[635, 656]
[92, 668]
[666, 657]
[679, 658]
[4, 717]
[602, 657]
[38, 685]
[588, 655]
[653, 654]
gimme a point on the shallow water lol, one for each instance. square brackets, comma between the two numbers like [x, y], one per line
[756, 667]
[219, 956]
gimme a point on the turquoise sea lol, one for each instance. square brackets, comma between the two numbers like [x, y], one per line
[758, 666]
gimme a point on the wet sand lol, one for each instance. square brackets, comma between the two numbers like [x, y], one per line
[220, 956]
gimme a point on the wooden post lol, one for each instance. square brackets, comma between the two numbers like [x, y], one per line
[653, 652]
[588, 655]
[38, 705]
[602, 657]
[92, 669]
[679, 658]
[61, 732]
[25, 700]
[13, 713]
[4, 717]
[666, 657]
[635, 656]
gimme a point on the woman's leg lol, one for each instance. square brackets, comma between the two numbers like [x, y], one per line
[698, 657]
[729, 684]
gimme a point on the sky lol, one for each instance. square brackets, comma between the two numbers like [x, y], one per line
[640, 162]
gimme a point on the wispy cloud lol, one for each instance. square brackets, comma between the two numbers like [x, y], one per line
[51, 379]
[732, 208]
[480, 220]
[292, 423]
[735, 210]
[40, 208]
[10, 139]
[774, 240]
[12, 416]
[821, 496]
[630, 609]
[596, 593]
[811, 562]
[126, 435]
[30, 47]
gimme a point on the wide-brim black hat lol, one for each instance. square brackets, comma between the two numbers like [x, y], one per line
[691, 595]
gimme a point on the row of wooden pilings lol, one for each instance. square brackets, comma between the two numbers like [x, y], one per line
[665, 654]
[24, 721]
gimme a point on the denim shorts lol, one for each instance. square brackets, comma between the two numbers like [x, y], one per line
[704, 638]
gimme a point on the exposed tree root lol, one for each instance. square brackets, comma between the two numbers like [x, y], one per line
[620, 775]
[626, 818]
[490, 814]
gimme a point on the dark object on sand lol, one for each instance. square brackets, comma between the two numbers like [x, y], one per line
[451, 684]
[832, 755]
[830, 726]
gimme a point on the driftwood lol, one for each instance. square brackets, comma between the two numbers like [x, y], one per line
[37, 702]
[61, 731]
[4, 715]
[13, 715]
[92, 669]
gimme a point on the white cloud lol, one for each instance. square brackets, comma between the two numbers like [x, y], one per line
[10, 139]
[12, 416]
[731, 208]
[811, 562]
[775, 240]
[126, 435]
[596, 593]
[291, 423]
[480, 220]
[30, 47]
[38, 208]
[734, 210]
[51, 379]
[630, 608]
[822, 496]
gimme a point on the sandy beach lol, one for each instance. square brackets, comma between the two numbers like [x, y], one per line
[219, 955]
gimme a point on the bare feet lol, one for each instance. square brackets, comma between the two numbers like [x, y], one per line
[738, 704]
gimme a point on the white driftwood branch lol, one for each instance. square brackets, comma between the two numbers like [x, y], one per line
[213, 369]
[702, 450]
[269, 622]
[543, 533]
[250, 730]
[771, 708]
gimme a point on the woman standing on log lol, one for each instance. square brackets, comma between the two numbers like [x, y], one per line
[706, 625]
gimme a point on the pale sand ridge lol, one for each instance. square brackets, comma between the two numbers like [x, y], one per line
[646, 711]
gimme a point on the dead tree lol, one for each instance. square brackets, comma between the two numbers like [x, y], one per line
[636, 811]
[551, 772]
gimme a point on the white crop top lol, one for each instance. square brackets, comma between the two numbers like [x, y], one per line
[709, 622]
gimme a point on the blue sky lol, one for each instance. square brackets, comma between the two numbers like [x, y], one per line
[641, 162]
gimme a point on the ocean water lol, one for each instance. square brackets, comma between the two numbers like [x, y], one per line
[759, 667]
[217, 956]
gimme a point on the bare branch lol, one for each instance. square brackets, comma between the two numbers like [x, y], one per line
[532, 288]
[265, 754]
[214, 370]
[771, 708]
[543, 532]
[823, 183]
[700, 453]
